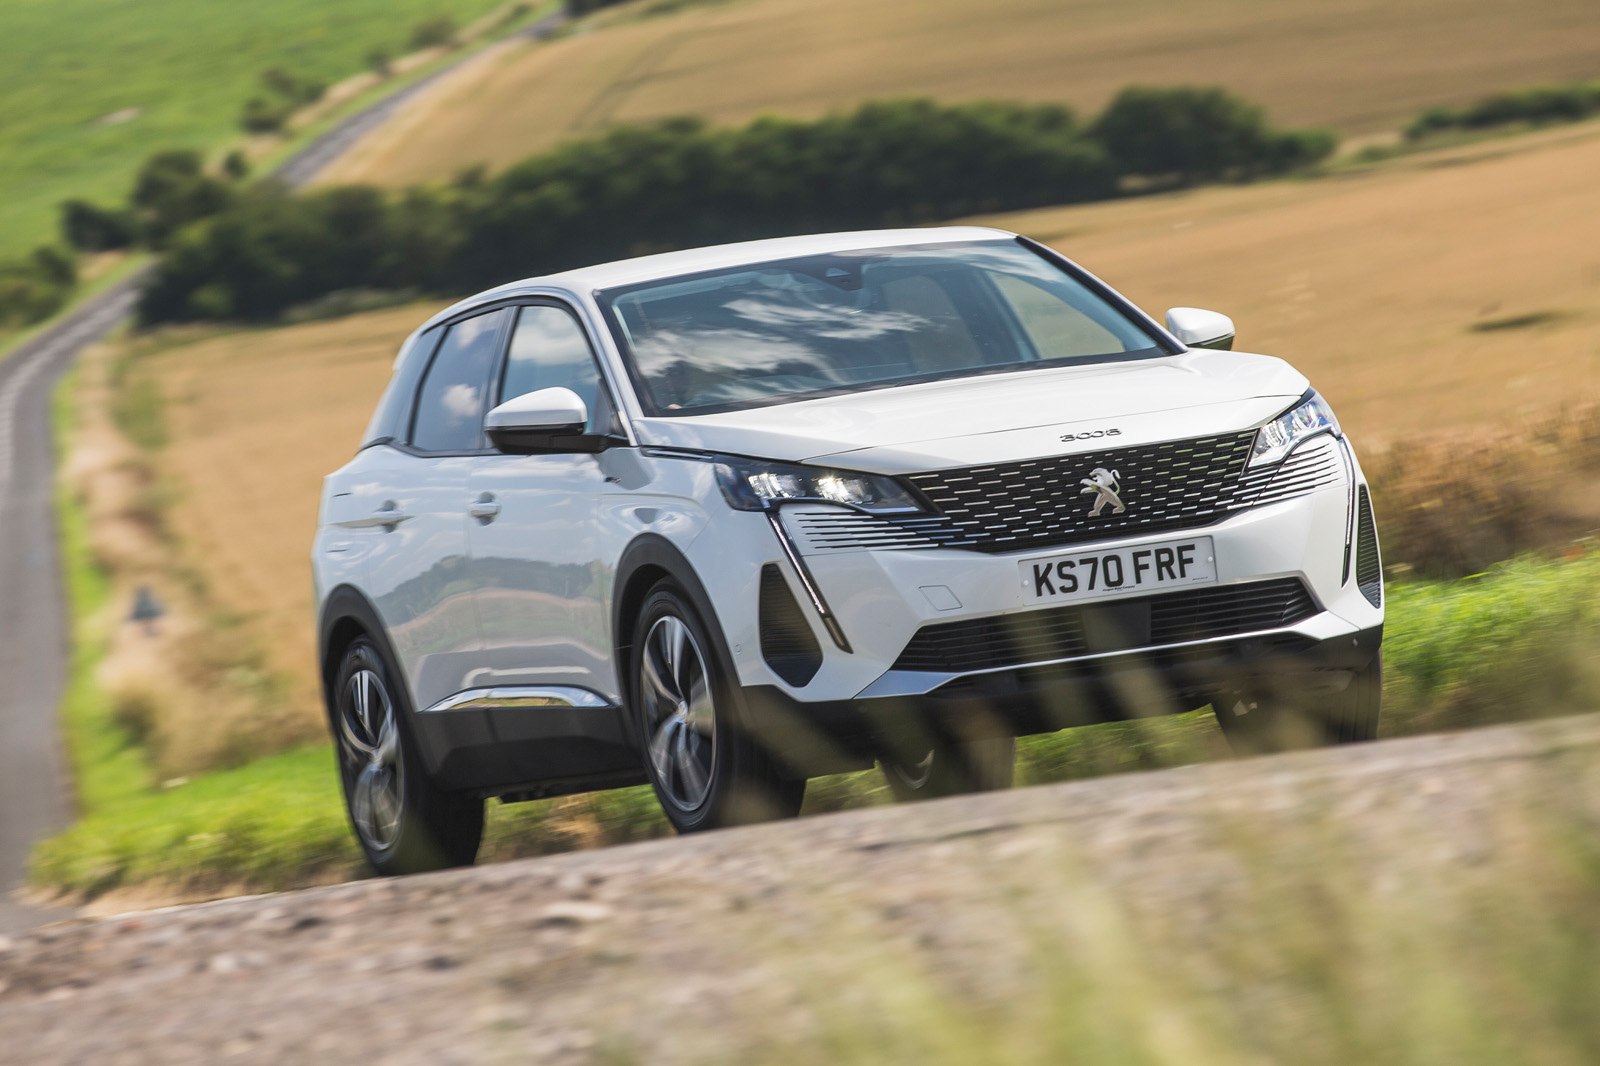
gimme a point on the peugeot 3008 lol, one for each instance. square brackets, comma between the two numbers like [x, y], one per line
[726, 519]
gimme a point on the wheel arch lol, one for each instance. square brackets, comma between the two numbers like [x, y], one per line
[645, 562]
[346, 615]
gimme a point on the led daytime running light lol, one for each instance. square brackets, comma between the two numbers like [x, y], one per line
[1275, 440]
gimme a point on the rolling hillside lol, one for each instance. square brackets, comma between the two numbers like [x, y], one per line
[89, 88]
[1362, 66]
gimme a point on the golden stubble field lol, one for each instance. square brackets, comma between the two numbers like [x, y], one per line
[1362, 66]
[1378, 283]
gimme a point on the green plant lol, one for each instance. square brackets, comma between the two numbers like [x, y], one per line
[1190, 134]
[436, 31]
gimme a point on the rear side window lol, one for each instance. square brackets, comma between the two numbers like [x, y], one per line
[450, 405]
[393, 416]
[549, 350]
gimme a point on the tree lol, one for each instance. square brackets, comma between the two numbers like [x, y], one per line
[171, 191]
[90, 228]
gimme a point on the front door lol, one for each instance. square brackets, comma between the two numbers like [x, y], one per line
[541, 587]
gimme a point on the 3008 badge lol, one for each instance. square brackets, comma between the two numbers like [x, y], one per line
[1091, 434]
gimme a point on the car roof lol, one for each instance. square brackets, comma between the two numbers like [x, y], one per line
[721, 256]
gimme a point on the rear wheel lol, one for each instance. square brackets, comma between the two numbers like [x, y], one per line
[951, 766]
[706, 772]
[1267, 720]
[403, 822]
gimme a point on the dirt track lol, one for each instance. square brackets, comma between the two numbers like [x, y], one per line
[716, 947]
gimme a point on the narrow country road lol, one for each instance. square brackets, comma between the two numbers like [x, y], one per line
[35, 792]
[34, 795]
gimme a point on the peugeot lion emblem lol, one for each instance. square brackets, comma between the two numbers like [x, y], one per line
[1104, 484]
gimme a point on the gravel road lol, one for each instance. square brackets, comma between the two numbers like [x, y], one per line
[709, 948]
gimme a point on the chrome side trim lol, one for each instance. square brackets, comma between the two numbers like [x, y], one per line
[919, 682]
[1350, 509]
[518, 697]
[813, 593]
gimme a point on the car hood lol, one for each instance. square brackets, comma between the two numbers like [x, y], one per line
[1007, 417]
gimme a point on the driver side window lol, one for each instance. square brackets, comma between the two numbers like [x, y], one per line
[550, 350]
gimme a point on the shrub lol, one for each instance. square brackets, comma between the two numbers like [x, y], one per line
[299, 89]
[265, 116]
[1190, 135]
[380, 62]
[236, 165]
[90, 228]
[173, 190]
[1537, 106]
[436, 32]
[35, 287]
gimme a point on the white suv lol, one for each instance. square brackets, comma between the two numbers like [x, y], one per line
[726, 519]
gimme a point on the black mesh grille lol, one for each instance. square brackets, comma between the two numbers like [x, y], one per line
[1369, 567]
[787, 643]
[1120, 625]
[1040, 502]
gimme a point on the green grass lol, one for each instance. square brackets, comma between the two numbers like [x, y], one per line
[188, 69]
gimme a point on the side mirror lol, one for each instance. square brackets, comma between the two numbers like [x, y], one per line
[1201, 329]
[549, 420]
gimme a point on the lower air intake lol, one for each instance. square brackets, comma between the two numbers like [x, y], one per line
[1369, 567]
[1117, 625]
[787, 642]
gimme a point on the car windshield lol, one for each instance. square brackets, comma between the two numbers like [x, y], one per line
[803, 328]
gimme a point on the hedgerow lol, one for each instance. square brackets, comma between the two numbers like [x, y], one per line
[680, 183]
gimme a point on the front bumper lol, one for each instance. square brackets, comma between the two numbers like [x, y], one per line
[832, 736]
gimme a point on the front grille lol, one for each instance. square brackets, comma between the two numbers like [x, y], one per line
[1039, 503]
[1118, 625]
[1369, 567]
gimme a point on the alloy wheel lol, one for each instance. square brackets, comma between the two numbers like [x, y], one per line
[369, 736]
[680, 721]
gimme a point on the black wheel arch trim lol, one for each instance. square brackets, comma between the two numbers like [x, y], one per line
[346, 603]
[651, 551]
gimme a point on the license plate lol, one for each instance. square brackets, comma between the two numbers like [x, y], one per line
[1100, 574]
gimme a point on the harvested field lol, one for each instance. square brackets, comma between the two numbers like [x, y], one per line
[1377, 284]
[1360, 66]
[1445, 292]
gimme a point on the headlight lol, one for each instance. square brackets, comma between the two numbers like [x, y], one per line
[755, 485]
[1277, 438]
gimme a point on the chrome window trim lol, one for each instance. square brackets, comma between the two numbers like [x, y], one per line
[521, 697]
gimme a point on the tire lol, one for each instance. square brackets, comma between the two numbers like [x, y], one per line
[707, 773]
[403, 822]
[1265, 721]
[953, 766]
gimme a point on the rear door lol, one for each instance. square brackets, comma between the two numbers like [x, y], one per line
[415, 504]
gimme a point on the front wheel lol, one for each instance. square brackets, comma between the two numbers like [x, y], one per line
[403, 822]
[952, 766]
[1265, 720]
[706, 771]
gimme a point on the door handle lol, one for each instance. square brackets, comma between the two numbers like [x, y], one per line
[388, 517]
[484, 509]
